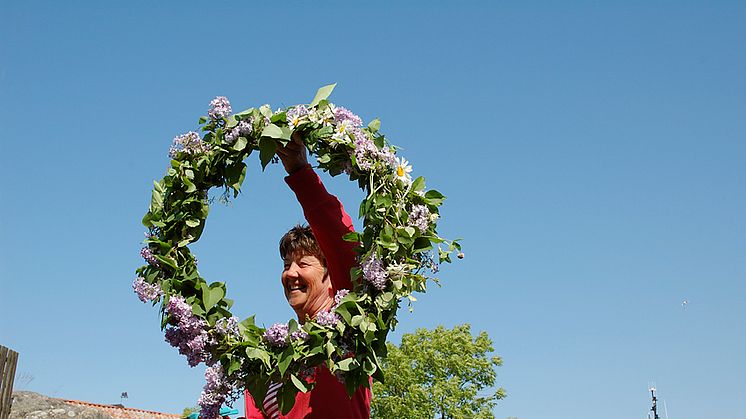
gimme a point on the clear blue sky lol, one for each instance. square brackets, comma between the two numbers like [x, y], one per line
[593, 155]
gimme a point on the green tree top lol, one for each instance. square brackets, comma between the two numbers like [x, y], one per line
[438, 373]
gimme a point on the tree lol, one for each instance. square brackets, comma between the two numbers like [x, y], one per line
[441, 372]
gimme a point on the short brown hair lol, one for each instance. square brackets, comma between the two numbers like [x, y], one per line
[300, 239]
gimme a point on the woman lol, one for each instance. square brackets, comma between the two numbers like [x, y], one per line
[316, 264]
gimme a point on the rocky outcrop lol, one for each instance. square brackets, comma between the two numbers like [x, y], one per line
[29, 405]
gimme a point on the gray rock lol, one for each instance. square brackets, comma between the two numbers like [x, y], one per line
[30, 405]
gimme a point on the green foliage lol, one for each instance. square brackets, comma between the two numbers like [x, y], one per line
[438, 373]
[188, 411]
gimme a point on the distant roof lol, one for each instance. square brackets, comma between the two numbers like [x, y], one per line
[119, 412]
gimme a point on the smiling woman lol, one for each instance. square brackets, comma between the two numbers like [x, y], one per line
[345, 292]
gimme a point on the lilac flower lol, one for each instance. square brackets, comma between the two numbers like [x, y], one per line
[219, 108]
[386, 155]
[214, 392]
[227, 326]
[189, 334]
[419, 217]
[147, 254]
[342, 114]
[295, 115]
[365, 152]
[299, 334]
[243, 129]
[277, 335]
[178, 308]
[374, 272]
[146, 292]
[189, 143]
[339, 296]
[327, 318]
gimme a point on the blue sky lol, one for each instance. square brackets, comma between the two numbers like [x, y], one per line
[592, 154]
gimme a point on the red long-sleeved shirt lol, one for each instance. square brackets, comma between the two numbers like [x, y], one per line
[329, 222]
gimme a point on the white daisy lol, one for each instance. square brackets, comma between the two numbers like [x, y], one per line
[403, 170]
[342, 132]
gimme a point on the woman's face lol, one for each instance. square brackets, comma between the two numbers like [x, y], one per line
[306, 283]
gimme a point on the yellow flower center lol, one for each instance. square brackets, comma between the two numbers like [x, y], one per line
[399, 171]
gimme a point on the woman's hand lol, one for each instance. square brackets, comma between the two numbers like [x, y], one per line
[293, 156]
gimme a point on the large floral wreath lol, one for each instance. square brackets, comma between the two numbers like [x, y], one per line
[397, 250]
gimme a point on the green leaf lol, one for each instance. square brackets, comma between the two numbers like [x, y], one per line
[348, 364]
[298, 383]
[281, 117]
[374, 125]
[287, 132]
[272, 131]
[156, 201]
[434, 197]
[192, 223]
[286, 398]
[212, 294]
[267, 149]
[246, 112]
[189, 185]
[231, 122]
[256, 353]
[235, 175]
[240, 144]
[323, 93]
[352, 237]
[266, 111]
[166, 261]
[418, 184]
[286, 357]
[422, 244]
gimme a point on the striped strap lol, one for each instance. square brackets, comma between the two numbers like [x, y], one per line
[270, 405]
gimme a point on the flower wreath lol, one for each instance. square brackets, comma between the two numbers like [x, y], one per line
[398, 245]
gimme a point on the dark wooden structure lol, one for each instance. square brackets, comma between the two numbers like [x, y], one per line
[8, 361]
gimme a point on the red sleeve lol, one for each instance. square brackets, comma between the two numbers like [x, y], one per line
[328, 221]
[252, 412]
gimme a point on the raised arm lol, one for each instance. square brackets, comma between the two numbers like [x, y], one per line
[323, 211]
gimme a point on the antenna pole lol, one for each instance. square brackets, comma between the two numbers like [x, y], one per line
[654, 409]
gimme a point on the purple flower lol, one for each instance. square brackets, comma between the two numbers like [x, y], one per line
[374, 272]
[299, 334]
[342, 114]
[227, 326]
[295, 115]
[147, 254]
[339, 296]
[189, 334]
[365, 152]
[219, 108]
[214, 392]
[327, 318]
[277, 335]
[243, 129]
[386, 155]
[189, 143]
[419, 217]
[178, 308]
[146, 292]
